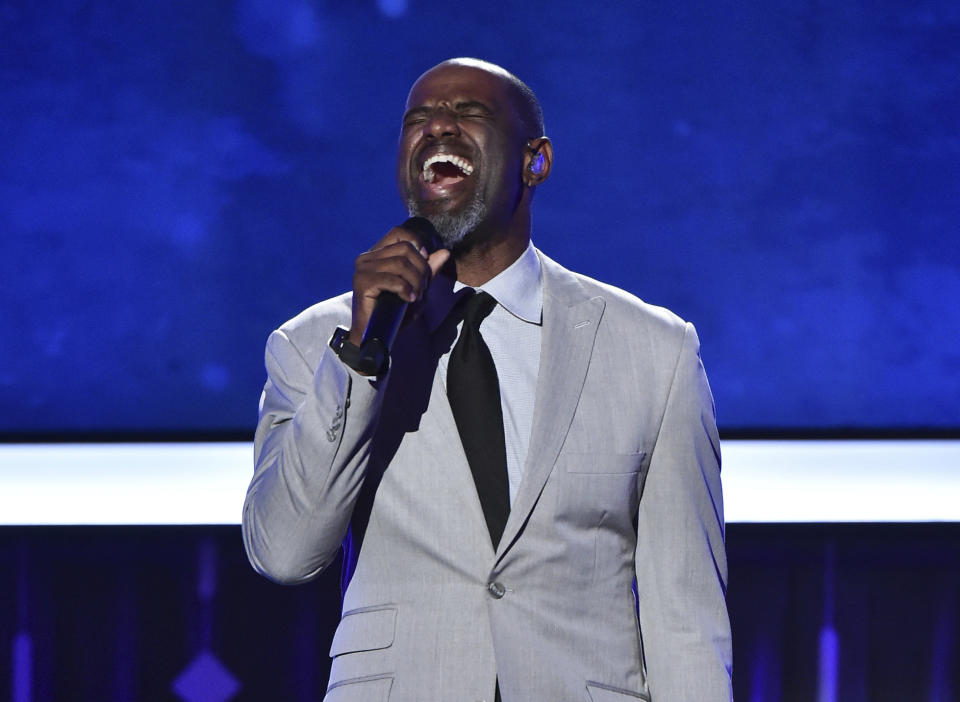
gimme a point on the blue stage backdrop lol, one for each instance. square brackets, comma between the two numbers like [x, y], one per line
[177, 179]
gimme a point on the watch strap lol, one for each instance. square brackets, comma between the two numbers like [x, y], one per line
[351, 354]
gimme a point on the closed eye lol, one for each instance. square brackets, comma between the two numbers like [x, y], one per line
[473, 109]
[415, 116]
[463, 110]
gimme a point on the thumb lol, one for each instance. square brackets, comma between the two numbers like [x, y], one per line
[437, 259]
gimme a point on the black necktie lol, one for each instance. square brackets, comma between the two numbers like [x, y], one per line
[474, 394]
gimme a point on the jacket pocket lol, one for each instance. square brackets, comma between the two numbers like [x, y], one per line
[602, 463]
[605, 693]
[366, 629]
[371, 689]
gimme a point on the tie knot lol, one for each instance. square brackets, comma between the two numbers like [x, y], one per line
[477, 308]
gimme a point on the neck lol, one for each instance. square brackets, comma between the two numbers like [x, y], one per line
[487, 254]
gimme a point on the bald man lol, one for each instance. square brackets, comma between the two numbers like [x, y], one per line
[582, 557]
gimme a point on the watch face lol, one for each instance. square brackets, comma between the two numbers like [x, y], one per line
[338, 339]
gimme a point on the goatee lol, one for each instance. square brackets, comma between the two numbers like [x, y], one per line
[453, 227]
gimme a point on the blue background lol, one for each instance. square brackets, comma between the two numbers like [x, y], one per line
[177, 179]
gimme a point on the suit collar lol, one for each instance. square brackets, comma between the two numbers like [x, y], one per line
[571, 317]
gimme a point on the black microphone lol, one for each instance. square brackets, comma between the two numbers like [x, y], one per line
[388, 311]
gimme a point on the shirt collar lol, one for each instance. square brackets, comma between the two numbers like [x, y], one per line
[518, 288]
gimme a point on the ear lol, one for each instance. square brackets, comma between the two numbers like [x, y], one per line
[537, 161]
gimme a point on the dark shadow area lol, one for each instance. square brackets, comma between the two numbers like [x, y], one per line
[119, 613]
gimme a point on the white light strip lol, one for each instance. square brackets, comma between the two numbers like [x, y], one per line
[842, 481]
[194, 483]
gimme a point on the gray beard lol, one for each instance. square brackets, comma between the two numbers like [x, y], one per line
[453, 227]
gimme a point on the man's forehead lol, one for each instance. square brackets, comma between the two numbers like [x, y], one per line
[456, 80]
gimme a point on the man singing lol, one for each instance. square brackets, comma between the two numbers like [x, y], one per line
[528, 494]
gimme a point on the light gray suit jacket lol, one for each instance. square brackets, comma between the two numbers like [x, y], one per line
[622, 480]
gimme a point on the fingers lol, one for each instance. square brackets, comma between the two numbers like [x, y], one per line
[395, 235]
[400, 268]
[399, 264]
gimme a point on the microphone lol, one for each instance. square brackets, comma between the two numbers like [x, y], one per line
[388, 311]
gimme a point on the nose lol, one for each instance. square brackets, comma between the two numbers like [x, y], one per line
[441, 124]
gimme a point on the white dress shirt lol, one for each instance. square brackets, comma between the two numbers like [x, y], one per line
[512, 333]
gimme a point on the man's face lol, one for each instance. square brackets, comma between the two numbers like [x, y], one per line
[461, 150]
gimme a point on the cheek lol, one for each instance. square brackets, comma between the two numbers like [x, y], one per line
[499, 162]
[505, 178]
[403, 168]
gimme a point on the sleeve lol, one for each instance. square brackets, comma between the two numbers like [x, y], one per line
[681, 564]
[310, 449]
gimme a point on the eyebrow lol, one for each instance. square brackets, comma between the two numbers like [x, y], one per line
[472, 105]
[458, 107]
[415, 111]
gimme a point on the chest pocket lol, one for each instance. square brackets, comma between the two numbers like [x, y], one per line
[599, 490]
[602, 463]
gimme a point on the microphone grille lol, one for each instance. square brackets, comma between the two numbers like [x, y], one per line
[425, 231]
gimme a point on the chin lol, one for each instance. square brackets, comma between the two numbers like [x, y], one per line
[454, 226]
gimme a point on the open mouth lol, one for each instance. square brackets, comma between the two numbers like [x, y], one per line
[442, 170]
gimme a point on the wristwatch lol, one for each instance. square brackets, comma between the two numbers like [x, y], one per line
[348, 352]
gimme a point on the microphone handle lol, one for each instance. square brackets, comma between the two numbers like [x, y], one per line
[388, 312]
[381, 330]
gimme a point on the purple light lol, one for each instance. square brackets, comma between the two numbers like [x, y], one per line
[22, 668]
[205, 680]
[829, 653]
[944, 641]
[758, 678]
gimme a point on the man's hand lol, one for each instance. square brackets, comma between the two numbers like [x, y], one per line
[398, 263]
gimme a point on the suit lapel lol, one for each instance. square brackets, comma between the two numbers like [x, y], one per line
[570, 321]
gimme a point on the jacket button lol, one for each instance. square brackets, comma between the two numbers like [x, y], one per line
[496, 590]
